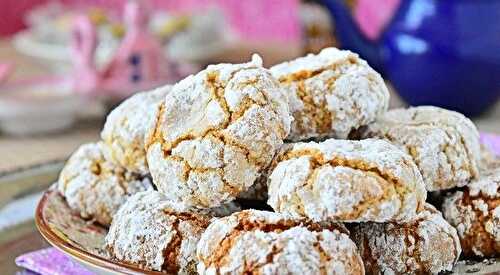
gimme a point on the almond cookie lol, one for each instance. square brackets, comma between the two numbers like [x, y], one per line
[489, 160]
[216, 131]
[156, 234]
[331, 94]
[475, 213]
[261, 242]
[96, 187]
[367, 180]
[126, 128]
[425, 245]
[444, 144]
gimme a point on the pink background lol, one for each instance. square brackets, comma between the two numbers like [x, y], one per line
[255, 19]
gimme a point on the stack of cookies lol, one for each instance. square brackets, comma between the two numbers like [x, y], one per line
[337, 183]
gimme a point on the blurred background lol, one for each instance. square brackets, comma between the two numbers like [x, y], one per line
[64, 64]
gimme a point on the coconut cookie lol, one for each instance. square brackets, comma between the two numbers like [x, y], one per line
[156, 234]
[475, 213]
[331, 94]
[95, 187]
[367, 180]
[216, 131]
[261, 242]
[126, 128]
[425, 245]
[444, 144]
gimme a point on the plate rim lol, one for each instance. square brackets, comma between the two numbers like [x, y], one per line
[77, 253]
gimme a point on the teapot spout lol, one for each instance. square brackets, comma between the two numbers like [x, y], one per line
[351, 36]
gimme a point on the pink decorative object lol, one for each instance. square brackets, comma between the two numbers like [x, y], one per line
[138, 64]
[5, 71]
[373, 15]
[276, 20]
[85, 76]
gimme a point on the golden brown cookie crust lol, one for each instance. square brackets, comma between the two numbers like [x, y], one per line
[261, 242]
[331, 94]
[216, 132]
[444, 144]
[127, 127]
[475, 213]
[156, 234]
[368, 180]
[425, 245]
[94, 186]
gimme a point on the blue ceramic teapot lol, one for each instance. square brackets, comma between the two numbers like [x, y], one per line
[435, 52]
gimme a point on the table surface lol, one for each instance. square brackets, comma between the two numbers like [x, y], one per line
[19, 153]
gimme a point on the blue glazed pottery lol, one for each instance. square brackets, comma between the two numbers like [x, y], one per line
[435, 52]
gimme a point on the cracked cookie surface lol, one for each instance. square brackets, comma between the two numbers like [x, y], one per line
[156, 234]
[425, 245]
[261, 242]
[127, 126]
[444, 144]
[216, 131]
[96, 187]
[489, 160]
[331, 94]
[367, 180]
[475, 213]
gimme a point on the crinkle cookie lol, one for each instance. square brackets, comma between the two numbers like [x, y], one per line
[126, 128]
[475, 213]
[95, 187]
[216, 131]
[444, 144]
[261, 242]
[156, 234]
[331, 94]
[489, 160]
[367, 180]
[425, 245]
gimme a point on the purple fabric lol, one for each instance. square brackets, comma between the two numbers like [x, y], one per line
[50, 261]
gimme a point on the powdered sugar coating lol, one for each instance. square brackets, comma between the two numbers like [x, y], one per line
[261, 242]
[331, 94]
[367, 180]
[95, 187]
[425, 245]
[156, 234]
[444, 144]
[489, 160]
[475, 213]
[216, 131]
[127, 126]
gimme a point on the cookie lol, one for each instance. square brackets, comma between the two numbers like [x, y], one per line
[331, 94]
[425, 245]
[156, 234]
[367, 180]
[261, 242]
[216, 131]
[96, 187]
[444, 144]
[475, 213]
[489, 160]
[127, 126]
